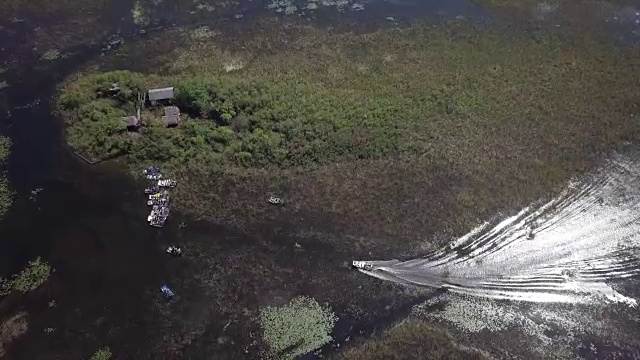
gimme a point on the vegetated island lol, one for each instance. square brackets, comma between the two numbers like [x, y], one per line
[490, 105]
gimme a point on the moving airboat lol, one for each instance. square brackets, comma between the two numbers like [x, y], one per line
[362, 265]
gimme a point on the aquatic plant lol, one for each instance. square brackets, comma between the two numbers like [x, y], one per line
[5, 287]
[34, 275]
[297, 328]
[5, 148]
[51, 54]
[139, 14]
[6, 193]
[102, 354]
[6, 196]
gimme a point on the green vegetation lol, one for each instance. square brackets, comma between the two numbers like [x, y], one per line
[6, 194]
[412, 339]
[34, 275]
[481, 104]
[452, 92]
[102, 354]
[297, 328]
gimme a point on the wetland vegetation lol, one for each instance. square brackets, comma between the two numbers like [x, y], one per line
[382, 139]
[297, 328]
[30, 278]
[6, 194]
[466, 97]
[411, 339]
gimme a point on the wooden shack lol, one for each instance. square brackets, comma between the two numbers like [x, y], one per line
[161, 95]
[131, 123]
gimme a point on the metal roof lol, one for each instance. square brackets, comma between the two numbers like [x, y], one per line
[171, 120]
[161, 94]
[171, 110]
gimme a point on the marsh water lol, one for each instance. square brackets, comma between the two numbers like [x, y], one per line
[88, 221]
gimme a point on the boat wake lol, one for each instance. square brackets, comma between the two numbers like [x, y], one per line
[566, 250]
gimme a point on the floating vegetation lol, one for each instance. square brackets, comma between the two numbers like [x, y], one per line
[202, 33]
[51, 55]
[6, 194]
[139, 14]
[5, 148]
[288, 7]
[102, 354]
[206, 7]
[3, 84]
[34, 275]
[297, 328]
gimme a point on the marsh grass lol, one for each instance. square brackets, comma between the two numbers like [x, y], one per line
[296, 328]
[411, 339]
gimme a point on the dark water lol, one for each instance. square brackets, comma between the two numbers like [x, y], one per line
[88, 222]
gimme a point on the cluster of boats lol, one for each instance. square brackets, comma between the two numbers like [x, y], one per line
[158, 196]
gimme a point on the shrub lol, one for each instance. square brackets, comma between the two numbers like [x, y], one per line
[297, 328]
[102, 354]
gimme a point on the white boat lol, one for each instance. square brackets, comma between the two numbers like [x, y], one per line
[174, 251]
[362, 265]
[275, 200]
[167, 183]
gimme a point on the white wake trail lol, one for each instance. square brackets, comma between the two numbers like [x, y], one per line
[562, 251]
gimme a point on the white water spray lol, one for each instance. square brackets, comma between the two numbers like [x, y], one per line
[563, 251]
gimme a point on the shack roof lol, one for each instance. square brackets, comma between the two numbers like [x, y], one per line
[171, 120]
[130, 120]
[171, 111]
[161, 93]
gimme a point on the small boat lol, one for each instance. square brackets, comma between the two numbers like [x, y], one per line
[159, 195]
[156, 223]
[168, 294]
[275, 200]
[167, 183]
[151, 170]
[151, 190]
[362, 265]
[174, 251]
[160, 201]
